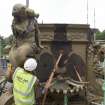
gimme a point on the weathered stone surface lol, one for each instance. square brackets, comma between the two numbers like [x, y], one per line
[73, 32]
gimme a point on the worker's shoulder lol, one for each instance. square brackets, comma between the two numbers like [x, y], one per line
[19, 68]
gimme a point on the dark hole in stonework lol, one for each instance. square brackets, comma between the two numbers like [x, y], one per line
[45, 66]
[75, 62]
[60, 32]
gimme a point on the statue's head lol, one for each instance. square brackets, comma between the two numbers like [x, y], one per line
[31, 13]
[19, 10]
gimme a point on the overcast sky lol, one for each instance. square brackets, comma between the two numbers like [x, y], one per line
[56, 11]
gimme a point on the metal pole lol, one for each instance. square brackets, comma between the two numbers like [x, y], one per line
[94, 25]
[94, 18]
[27, 3]
[87, 11]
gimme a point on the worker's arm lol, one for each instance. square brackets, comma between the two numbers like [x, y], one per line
[9, 72]
[38, 91]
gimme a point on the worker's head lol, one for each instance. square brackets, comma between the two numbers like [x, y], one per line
[30, 64]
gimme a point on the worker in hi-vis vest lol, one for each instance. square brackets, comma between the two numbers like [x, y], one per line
[25, 83]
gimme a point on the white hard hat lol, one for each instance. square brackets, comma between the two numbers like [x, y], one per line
[30, 64]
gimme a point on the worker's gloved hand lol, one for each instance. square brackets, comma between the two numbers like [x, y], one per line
[8, 87]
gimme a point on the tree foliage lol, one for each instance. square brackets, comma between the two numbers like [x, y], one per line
[9, 40]
[100, 35]
[2, 41]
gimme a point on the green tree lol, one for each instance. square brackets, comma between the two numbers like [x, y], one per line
[9, 40]
[2, 45]
[100, 35]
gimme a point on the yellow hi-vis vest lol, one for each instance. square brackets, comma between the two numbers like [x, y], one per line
[23, 87]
